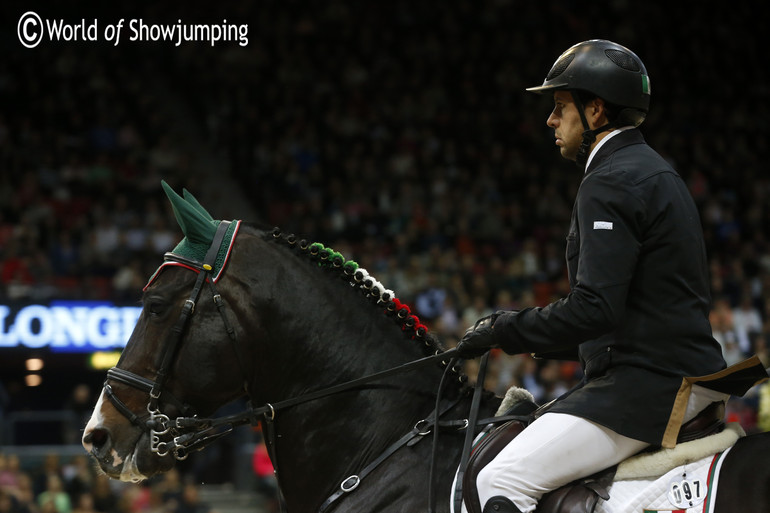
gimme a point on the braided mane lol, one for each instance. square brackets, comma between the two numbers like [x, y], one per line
[370, 287]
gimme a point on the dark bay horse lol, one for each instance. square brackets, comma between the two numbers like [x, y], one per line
[300, 322]
[239, 311]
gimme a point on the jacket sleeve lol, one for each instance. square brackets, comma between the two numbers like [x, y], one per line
[609, 216]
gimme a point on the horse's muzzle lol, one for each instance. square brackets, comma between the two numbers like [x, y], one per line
[132, 462]
[98, 441]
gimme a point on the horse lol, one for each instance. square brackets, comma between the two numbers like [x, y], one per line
[346, 380]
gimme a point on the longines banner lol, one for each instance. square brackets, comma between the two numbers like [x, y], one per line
[67, 326]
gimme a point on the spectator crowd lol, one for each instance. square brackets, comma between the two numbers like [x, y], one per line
[72, 486]
[398, 133]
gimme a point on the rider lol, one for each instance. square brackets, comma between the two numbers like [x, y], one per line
[636, 316]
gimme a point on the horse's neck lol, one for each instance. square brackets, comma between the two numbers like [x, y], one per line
[320, 330]
[313, 463]
[322, 333]
[341, 352]
[324, 441]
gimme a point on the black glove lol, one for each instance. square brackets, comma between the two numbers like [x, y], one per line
[479, 338]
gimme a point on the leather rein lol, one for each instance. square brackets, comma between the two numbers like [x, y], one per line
[189, 433]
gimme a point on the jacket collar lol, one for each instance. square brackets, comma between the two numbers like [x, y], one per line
[620, 140]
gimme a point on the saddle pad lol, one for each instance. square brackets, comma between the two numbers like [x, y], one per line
[689, 488]
[653, 464]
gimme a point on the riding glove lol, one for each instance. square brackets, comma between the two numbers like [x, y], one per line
[479, 338]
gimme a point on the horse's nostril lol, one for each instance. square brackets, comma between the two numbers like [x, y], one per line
[98, 437]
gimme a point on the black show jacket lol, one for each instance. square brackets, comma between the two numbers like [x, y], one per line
[637, 313]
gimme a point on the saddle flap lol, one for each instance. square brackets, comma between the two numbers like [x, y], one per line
[482, 454]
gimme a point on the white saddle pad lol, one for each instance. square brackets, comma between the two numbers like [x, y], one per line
[689, 488]
[679, 480]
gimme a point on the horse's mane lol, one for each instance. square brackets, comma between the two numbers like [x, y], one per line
[371, 288]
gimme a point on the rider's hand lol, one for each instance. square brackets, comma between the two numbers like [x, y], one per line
[479, 338]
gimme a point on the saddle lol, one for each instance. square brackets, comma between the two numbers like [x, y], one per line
[582, 495]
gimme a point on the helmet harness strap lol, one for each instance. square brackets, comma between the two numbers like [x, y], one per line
[589, 136]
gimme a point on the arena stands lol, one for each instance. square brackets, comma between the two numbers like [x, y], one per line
[397, 132]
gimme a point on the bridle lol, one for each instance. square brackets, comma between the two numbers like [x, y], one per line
[190, 433]
[158, 423]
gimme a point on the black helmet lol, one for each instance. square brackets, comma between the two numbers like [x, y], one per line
[608, 70]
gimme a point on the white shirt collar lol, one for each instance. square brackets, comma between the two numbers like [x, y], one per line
[601, 143]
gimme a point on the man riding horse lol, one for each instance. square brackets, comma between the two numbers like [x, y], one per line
[636, 316]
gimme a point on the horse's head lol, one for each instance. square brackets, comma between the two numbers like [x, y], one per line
[181, 359]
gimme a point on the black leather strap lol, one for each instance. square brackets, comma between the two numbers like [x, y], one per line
[471, 433]
[420, 429]
[176, 332]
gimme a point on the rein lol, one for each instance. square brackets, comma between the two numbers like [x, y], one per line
[196, 433]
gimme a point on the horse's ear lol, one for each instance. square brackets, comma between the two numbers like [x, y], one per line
[195, 203]
[197, 226]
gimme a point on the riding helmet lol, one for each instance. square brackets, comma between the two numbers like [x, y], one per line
[608, 70]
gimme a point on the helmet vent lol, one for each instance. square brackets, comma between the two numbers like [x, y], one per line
[623, 60]
[560, 66]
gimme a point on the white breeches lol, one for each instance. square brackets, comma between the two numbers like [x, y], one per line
[558, 448]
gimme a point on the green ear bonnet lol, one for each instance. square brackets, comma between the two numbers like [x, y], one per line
[198, 227]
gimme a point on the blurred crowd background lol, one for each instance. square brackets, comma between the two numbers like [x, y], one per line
[398, 133]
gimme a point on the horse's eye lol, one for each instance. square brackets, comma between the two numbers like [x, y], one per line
[155, 308]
